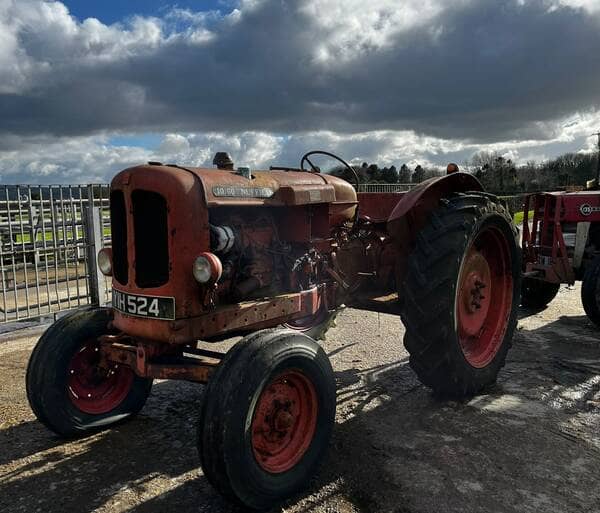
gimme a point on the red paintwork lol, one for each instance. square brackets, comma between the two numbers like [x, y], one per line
[411, 213]
[306, 323]
[484, 296]
[184, 190]
[137, 356]
[544, 251]
[93, 388]
[377, 206]
[188, 237]
[427, 194]
[571, 203]
[284, 421]
[309, 209]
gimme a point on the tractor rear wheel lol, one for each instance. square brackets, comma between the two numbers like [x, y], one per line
[266, 418]
[69, 390]
[537, 293]
[460, 295]
[590, 291]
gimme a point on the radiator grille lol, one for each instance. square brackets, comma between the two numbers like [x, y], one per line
[118, 224]
[151, 239]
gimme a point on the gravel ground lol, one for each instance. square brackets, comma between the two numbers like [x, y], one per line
[531, 445]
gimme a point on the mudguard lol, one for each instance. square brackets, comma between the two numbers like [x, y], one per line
[412, 211]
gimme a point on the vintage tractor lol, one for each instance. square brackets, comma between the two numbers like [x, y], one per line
[199, 255]
[561, 244]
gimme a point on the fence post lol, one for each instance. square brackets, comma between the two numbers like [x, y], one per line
[35, 229]
[94, 237]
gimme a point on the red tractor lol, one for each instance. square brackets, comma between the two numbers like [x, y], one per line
[199, 255]
[561, 244]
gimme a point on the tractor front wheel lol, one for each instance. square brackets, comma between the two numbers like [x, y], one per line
[590, 291]
[70, 390]
[266, 418]
[537, 293]
[461, 293]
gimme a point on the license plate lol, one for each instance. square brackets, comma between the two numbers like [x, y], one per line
[155, 307]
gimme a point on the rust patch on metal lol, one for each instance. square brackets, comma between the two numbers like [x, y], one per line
[139, 357]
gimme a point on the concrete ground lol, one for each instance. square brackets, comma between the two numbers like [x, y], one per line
[532, 444]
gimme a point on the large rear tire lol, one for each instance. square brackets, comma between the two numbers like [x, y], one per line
[68, 391]
[537, 293]
[266, 418]
[460, 295]
[590, 291]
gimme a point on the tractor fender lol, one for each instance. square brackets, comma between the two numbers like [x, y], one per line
[414, 208]
[424, 197]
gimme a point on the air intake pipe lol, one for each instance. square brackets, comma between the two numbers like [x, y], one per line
[222, 239]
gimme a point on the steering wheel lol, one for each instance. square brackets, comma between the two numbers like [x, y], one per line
[305, 158]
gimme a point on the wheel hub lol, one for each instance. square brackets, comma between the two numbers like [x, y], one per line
[96, 387]
[474, 293]
[484, 297]
[284, 422]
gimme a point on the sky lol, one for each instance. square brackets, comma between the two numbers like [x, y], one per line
[90, 87]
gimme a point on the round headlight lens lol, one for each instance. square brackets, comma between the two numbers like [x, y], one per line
[105, 261]
[202, 269]
[207, 268]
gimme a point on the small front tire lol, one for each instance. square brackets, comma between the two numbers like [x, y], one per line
[267, 417]
[68, 391]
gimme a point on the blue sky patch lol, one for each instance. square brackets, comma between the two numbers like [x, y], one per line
[112, 11]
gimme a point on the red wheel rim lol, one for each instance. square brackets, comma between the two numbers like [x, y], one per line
[284, 421]
[97, 388]
[484, 297]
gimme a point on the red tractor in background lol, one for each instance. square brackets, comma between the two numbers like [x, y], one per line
[199, 255]
[561, 244]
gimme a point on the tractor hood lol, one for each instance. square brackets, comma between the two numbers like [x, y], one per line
[265, 188]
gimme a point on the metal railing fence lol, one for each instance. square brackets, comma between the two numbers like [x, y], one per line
[45, 248]
[385, 187]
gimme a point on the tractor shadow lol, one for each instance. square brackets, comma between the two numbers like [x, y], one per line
[155, 450]
[527, 444]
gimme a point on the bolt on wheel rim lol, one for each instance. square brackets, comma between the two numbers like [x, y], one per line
[95, 387]
[284, 422]
[484, 297]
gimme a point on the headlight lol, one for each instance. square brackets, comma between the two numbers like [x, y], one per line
[105, 261]
[207, 268]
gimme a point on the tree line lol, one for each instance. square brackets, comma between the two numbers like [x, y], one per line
[372, 173]
[498, 174]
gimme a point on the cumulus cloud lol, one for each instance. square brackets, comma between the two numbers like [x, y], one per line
[65, 160]
[94, 159]
[469, 69]
[420, 79]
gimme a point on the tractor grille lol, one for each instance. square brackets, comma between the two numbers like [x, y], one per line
[151, 239]
[118, 224]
